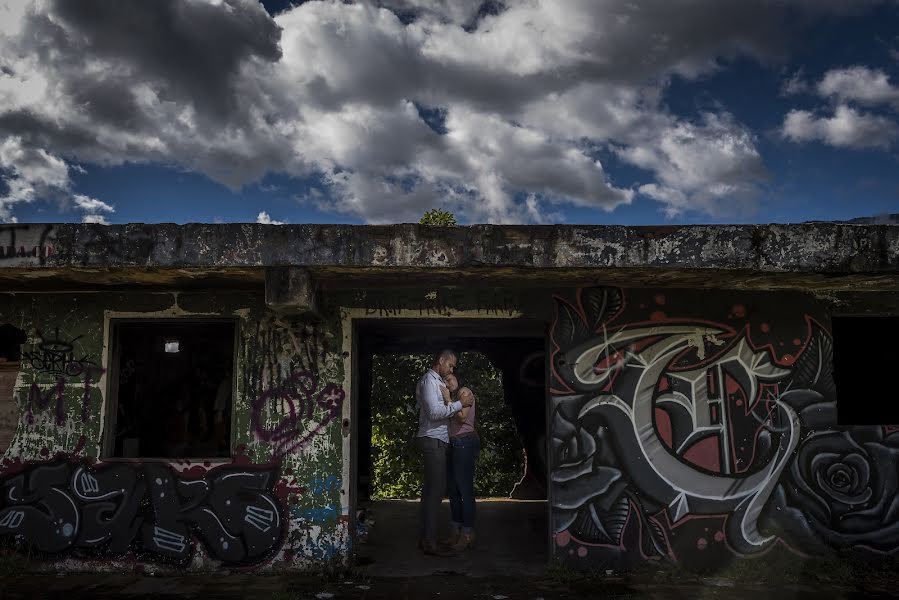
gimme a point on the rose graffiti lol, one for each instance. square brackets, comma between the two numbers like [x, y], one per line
[298, 394]
[841, 491]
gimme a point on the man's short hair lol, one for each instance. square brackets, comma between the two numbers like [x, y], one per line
[446, 353]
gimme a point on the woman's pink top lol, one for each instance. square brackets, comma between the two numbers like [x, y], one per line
[457, 427]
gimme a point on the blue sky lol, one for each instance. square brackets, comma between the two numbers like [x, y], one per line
[529, 111]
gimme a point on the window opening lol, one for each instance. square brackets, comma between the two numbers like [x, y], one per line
[174, 394]
[864, 354]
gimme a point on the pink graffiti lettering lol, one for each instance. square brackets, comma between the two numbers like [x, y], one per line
[297, 394]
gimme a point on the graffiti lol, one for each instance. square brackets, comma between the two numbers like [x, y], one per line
[19, 243]
[39, 399]
[56, 356]
[668, 427]
[62, 506]
[483, 302]
[324, 485]
[322, 514]
[276, 346]
[308, 412]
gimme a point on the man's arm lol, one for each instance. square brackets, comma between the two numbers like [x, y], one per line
[433, 401]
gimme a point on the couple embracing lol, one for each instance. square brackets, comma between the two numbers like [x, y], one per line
[450, 446]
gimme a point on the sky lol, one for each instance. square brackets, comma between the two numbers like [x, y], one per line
[520, 111]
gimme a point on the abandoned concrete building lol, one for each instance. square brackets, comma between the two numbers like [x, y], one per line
[196, 396]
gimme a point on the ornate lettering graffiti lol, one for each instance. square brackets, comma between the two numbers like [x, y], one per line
[61, 506]
[665, 424]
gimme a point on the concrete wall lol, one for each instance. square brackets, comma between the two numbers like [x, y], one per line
[699, 428]
[278, 503]
[693, 427]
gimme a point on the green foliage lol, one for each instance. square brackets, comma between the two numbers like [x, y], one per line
[437, 216]
[396, 464]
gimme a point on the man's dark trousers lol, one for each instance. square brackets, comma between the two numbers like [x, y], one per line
[433, 485]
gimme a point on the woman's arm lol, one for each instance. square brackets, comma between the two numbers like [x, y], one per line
[462, 414]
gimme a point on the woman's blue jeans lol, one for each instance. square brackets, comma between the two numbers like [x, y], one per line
[463, 456]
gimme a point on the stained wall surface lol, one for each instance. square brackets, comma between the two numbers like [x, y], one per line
[277, 503]
[694, 427]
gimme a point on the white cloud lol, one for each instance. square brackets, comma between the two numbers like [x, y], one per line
[89, 204]
[33, 174]
[859, 84]
[712, 165]
[527, 94]
[92, 208]
[794, 85]
[847, 128]
[93, 218]
[263, 218]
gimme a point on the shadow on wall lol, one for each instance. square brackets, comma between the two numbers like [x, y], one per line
[11, 340]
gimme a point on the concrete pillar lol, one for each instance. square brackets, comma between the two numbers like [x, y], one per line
[290, 290]
[9, 412]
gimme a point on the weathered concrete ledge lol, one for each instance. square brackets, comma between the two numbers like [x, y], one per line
[825, 248]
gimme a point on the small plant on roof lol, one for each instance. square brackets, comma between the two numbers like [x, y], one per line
[437, 216]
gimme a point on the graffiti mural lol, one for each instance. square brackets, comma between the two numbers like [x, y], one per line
[62, 506]
[306, 409]
[672, 436]
[55, 356]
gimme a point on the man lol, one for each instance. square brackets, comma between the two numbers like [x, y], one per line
[433, 442]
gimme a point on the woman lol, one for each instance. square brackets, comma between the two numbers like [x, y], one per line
[465, 445]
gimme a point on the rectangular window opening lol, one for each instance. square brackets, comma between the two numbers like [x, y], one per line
[864, 353]
[173, 390]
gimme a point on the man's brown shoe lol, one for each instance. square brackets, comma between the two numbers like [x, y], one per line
[465, 542]
[452, 539]
[432, 549]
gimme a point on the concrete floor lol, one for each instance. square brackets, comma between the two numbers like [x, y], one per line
[106, 586]
[512, 539]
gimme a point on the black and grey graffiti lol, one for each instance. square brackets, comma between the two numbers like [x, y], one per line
[55, 355]
[62, 506]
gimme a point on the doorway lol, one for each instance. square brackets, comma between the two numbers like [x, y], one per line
[506, 359]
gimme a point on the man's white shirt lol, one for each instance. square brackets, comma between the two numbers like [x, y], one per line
[433, 414]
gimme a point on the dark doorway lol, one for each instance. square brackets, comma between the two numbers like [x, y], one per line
[396, 464]
[11, 340]
[173, 389]
[864, 352]
[513, 527]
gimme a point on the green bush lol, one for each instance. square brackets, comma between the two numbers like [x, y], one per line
[396, 464]
[438, 216]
